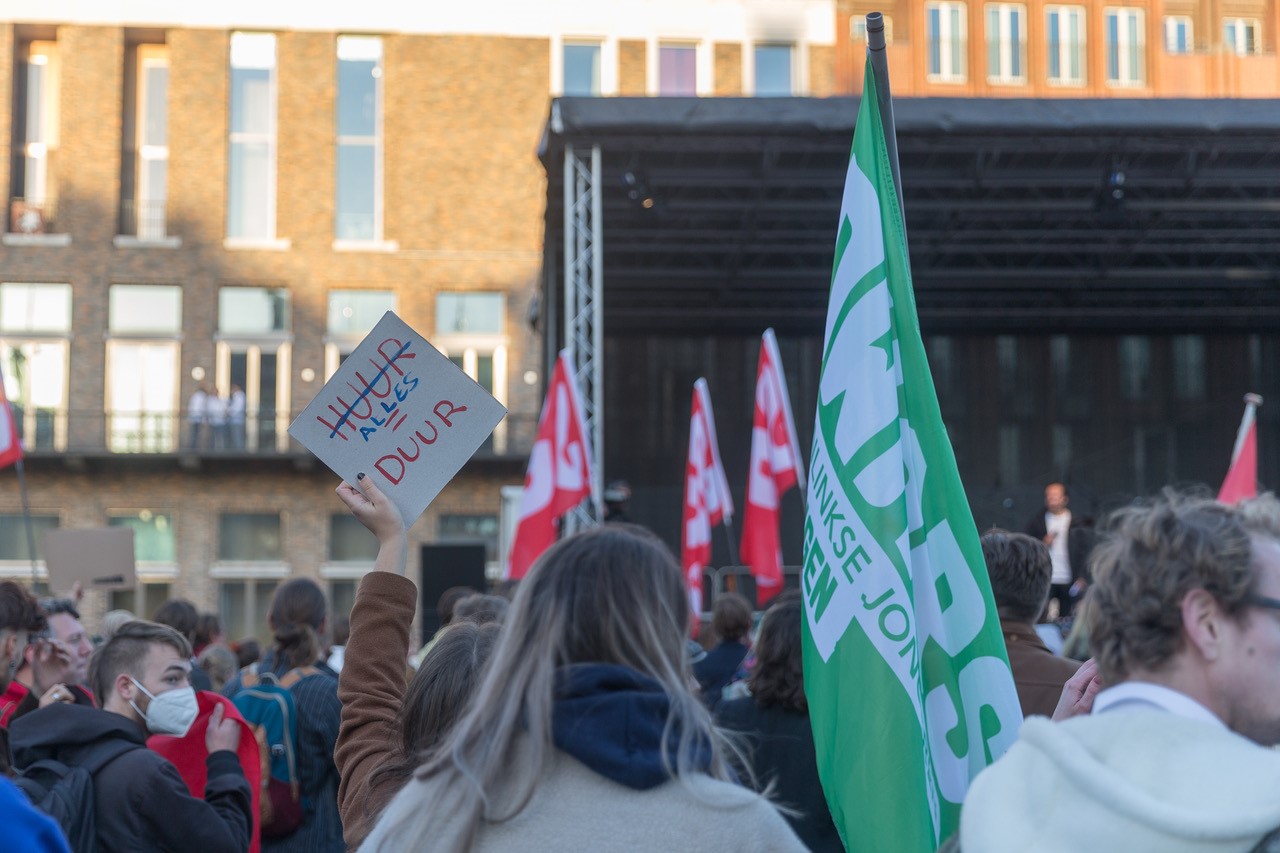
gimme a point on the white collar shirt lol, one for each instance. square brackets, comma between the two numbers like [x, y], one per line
[1144, 693]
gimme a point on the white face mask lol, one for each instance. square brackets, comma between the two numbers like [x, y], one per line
[170, 713]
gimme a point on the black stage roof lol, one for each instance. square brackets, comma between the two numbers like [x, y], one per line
[1010, 211]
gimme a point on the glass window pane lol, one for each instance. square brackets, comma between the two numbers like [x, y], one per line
[153, 595]
[155, 88]
[342, 597]
[1135, 366]
[994, 37]
[143, 386]
[678, 70]
[474, 313]
[153, 540]
[582, 69]
[357, 192]
[233, 608]
[250, 101]
[37, 82]
[145, 308]
[262, 594]
[1113, 46]
[350, 541]
[249, 536]
[249, 190]
[1015, 41]
[471, 528]
[252, 310]
[484, 372]
[1073, 45]
[38, 308]
[356, 312]
[13, 534]
[773, 70]
[359, 61]
[935, 41]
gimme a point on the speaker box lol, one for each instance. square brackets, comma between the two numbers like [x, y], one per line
[443, 567]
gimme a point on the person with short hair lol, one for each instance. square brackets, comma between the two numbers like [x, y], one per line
[481, 609]
[182, 616]
[1019, 568]
[140, 800]
[583, 733]
[22, 627]
[68, 635]
[1069, 539]
[1176, 754]
[731, 624]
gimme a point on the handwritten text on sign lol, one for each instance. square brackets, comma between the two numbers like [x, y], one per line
[398, 408]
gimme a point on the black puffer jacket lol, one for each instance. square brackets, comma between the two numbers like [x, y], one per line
[141, 802]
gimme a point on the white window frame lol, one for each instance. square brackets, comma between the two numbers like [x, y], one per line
[164, 436]
[1009, 47]
[608, 46]
[1238, 42]
[1172, 23]
[470, 346]
[26, 340]
[947, 41]
[703, 64]
[798, 66]
[145, 227]
[253, 345]
[271, 137]
[1064, 14]
[376, 142]
[1128, 19]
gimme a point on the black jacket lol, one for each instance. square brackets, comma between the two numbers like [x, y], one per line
[141, 802]
[1081, 538]
[780, 743]
[715, 671]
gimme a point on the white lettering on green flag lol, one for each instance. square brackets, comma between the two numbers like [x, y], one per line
[909, 686]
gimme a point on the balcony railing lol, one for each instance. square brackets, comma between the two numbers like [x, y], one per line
[33, 216]
[51, 432]
[143, 219]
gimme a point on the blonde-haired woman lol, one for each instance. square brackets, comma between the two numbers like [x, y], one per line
[584, 734]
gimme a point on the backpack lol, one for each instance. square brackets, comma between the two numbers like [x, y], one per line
[65, 793]
[266, 703]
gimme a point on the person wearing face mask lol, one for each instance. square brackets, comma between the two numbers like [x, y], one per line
[140, 801]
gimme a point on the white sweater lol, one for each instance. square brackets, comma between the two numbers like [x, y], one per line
[576, 810]
[1126, 780]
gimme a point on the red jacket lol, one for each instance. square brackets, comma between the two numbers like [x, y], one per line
[9, 701]
[188, 753]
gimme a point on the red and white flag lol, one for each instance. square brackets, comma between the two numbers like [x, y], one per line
[10, 445]
[775, 467]
[559, 475]
[706, 495]
[1242, 477]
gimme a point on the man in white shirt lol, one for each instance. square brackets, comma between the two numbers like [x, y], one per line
[235, 416]
[1175, 756]
[1053, 527]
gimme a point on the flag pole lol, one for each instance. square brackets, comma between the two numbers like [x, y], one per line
[26, 518]
[880, 69]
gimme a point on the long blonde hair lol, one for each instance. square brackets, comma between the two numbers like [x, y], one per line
[612, 595]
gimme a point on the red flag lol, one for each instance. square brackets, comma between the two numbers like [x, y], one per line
[775, 467]
[10, 446]
[559, 475]
[1242, 477]
[706, 495]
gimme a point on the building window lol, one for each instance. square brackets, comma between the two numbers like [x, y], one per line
[13, 535]
[153, 536]
[359, 208]
[146, 133]
[858, 28]
[1240, 36]
[252, 356]
[142, 601]
[35, 138]
[1126, 47]
[678, 69]
[471, 528]
[35, 343]
[1066, 37]
[352, 315]
[1177, 34]
[470, 330]
[243, 606]
[581, 68]
[1135, 367]
[948, 41]
[250, 538]
[1188, 367]
[251, 170]
[1006, 42]
[350, 541]
[1009, 454]
[774, 65]
[342, 597]
[145, 322]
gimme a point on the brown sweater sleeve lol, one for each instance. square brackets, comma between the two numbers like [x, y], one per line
[371, 686]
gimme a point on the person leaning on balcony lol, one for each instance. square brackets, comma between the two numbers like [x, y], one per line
[196, 407]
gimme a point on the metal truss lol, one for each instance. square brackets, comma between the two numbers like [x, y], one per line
[583, 304]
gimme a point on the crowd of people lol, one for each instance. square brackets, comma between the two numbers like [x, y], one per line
[215, 422]
[574, 713]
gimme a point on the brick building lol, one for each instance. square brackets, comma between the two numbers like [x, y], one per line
[232, 196]
[1082, 49]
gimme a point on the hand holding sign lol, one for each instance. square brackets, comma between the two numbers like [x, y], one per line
[400, 411]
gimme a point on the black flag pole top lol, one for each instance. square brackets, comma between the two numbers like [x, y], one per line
[880, 68]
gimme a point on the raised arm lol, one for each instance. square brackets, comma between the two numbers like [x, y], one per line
[372, 684]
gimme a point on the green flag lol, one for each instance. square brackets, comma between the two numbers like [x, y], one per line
[908, 682]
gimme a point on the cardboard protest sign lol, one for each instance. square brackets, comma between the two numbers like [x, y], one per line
[400, 412]
[99, 558]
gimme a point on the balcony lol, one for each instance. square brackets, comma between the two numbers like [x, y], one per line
[144, 224]
[34, 222]
[78, 435]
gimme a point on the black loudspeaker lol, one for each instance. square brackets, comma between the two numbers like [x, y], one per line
[444, 567]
